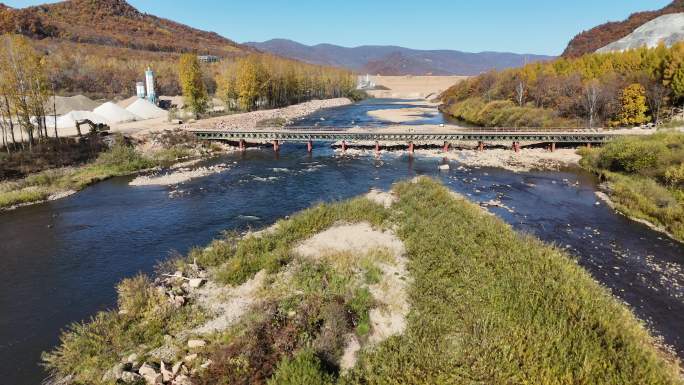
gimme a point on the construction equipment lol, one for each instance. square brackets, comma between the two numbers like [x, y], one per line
[95, 128]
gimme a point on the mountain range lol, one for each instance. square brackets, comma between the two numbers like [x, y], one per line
[393, 60]
[112, 23]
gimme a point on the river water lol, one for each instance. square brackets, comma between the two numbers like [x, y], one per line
[62, 259]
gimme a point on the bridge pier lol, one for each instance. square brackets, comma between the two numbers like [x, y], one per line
[480, 146]
[243, 145]
[411, 148]
[447, 145]
[589, 145]
[309, 147]
[516, 146]
[276, 146]
[377, 148]
[344, 146]
[552, 147]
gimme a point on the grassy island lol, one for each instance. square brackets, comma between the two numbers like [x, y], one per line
[414, 286]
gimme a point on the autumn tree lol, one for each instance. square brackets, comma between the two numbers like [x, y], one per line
[194, 90]
[633, 105]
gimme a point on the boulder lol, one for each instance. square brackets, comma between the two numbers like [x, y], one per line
[190, 357]
[150, 375]
[167, 375]
[130, 377]
[176, 367]
[181, 380]
[196, 282]
[192, 344]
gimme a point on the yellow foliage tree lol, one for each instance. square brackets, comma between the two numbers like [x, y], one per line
[194, 90]
[633, 105]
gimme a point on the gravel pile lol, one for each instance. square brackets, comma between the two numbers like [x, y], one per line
[146, 110]
[114, 113]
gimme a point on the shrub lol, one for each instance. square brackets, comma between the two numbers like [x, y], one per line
[304, 368]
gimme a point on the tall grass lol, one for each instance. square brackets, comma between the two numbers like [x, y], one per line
[120, 160]
[492, 306]
[645, 177]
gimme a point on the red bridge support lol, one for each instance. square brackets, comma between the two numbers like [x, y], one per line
[276, 146]
[480, 146]
[516, 146]
[377, 148]
[344, 146]
[552, 146]
[447, 145]
[411, 148]
[309, 147]
[243, 145]
[588, 145]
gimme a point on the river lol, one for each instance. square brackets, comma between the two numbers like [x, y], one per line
[62, 259]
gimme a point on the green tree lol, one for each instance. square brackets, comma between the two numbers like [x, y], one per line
[194, 89]
[633, 105]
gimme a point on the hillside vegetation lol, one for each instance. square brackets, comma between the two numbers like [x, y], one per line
[644, 178]
[484, 304]
[613, 89]
[599, 37]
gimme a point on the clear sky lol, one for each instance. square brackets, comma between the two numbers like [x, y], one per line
[522, 26]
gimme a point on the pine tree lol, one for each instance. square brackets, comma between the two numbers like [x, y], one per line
[192, 84]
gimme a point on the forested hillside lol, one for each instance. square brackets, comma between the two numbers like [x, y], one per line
[598, 37]
[617, 89]
[112, 23]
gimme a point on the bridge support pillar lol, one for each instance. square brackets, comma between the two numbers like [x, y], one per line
[309, 147]
[447, 145]
[411, 148]
[480, 146]
[516, 146]
[276, 146]
[589, 145]
[552, 146]
[344, 146]
[243, 145]
[377, 148]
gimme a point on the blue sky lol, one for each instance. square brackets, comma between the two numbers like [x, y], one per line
[522, 26]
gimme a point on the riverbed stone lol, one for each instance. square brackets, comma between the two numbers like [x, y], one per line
[130, 377]
[192, 344]
[181, 380]
[113, 374]
[196, 282]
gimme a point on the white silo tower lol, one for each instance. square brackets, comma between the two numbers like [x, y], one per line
[140, 90]
[149, 80]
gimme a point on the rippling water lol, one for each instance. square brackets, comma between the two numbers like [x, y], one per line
[61, 260]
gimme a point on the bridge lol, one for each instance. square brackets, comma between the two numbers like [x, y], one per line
[514, 136]
[276, 136]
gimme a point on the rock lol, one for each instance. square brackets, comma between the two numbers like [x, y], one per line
[113, 374]
[176, 367]
[130, 377]
[178, 301]
[196, 344]
[133, 359]
[206, 364]
[150, 375]
[444, 167]
[197, 282]
[190, 357]
[167, 375]
[181, 380]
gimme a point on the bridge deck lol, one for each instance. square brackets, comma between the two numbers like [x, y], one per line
[379, 136]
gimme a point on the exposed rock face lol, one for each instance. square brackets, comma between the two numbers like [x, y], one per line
[668, 29]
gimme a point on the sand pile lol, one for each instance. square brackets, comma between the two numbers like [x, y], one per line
[127, 102]
[66, 104]
[114, 113]
[146, 110]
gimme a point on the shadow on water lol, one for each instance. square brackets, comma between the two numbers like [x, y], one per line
[61, 260]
